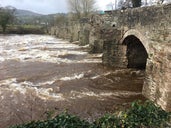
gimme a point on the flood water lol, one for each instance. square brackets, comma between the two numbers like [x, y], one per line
[41, 74]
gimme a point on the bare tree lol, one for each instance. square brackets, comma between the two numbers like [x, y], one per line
[160, 1]
[154, 2]
[88, 6]
[123, 4]
[81, 7]
[75, 7]
[61, 19]
[111, 6]
[136, 3]
[129, 3]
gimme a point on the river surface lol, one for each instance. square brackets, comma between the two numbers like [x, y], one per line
[40, 75]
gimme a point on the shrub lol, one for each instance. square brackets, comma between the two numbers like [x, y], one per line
[145, 115]
[63, 120]
[108, 121]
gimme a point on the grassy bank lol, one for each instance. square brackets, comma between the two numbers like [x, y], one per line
[24, 29]
[140, 115]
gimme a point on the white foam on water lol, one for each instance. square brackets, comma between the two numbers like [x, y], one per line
[44, 49]
[37, 48]
[90, 93]
[13, 85]
[30, 84]
[92, 60]
[101, 95]
[76, 94]
[2, 97]
[126, 93]
[85, 46]
[46, 83]
[47, 93]
[98, 76]
[24, 87]
[95, 77]
[75, 76]
[2, 59]
[40, 48]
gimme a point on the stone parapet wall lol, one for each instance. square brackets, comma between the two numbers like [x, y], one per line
[67, 31]
[74, 31]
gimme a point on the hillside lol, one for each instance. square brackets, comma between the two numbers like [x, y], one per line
[20, 13]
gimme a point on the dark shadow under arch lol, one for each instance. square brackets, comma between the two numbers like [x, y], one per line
[136, 53]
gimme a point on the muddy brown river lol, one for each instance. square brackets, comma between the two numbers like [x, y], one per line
[41, 74]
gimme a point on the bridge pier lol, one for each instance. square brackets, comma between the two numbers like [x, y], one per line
[114, 54]
[157, 83]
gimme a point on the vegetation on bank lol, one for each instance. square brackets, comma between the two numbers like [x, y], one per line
[6, 17]
[140, 115]
[14, 21]
[25, 29]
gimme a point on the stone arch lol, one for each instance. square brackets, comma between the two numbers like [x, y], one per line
[137, 34]
[136, 51]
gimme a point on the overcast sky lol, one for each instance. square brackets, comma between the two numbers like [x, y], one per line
[46, 6]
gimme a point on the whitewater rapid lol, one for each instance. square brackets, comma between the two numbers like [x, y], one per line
[40, 73]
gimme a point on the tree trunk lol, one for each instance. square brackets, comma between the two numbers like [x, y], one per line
[3, 28]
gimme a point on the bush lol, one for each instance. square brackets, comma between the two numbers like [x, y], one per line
[63, 120]
[108, 121]
[145, 115]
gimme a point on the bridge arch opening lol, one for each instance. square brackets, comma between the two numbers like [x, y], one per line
[136, 53]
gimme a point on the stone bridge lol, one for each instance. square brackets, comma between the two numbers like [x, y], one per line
[138, 38]
[133, 38]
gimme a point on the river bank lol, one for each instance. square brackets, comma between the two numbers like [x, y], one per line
[24, 29]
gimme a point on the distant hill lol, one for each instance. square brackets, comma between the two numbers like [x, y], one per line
[20, 13]
[30, 18]
[25, 16]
